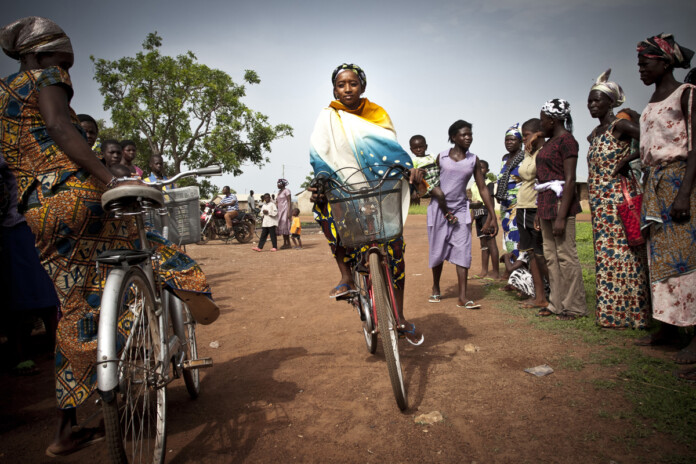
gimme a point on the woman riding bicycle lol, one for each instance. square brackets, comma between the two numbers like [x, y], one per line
[60, 182]
[353, 132]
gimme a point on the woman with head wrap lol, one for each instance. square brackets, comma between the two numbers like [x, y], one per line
[60, 182]
[667, 127]
[284, 204]
[355, 133]
[620, 270]
[557, 205]
[507, 188]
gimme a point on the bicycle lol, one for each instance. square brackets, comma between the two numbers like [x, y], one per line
[367, 215]
[146, 335]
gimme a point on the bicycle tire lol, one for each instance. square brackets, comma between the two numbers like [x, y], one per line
[192, 377]
[136, 426]
[387, 329]
[364, 307]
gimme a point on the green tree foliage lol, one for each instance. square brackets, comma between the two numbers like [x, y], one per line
[191, 114]
[308, 180]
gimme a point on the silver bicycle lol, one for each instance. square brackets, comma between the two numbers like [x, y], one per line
[147, 335]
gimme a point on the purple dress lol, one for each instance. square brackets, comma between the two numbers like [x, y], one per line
[452, 242]
[284, 203]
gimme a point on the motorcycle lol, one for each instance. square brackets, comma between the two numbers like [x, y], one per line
[213, 225]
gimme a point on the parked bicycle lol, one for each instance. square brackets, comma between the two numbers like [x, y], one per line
[147, 334]
[367, 215]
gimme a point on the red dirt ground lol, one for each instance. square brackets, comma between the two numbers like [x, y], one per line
[293, 382]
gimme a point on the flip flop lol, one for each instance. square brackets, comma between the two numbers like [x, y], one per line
[90, 437]
[434, 299]
[688, 375]
[544, 313]
[469, 305]
[412, 331]
[685, 356]
[341, 293]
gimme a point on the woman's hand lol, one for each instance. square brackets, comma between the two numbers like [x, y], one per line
[537, 222]
[491, 226]
[317, 197]
[681, 208]
[415, 176]
[559, 226]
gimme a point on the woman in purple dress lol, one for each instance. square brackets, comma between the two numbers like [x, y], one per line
[452, 242]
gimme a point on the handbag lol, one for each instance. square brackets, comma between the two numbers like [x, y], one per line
[629, 212]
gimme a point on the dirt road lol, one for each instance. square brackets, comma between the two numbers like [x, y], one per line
[293, 382]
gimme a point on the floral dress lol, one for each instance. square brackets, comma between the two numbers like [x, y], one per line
[621, 271]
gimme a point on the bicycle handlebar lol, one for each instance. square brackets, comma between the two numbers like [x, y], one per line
[343, 186]
[207, 171]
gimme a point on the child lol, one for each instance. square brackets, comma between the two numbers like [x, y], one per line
[112, 152]
[270, 221]
[296, 229]
[431, 179]
[489, 247]
[120, 170]
[520, 277]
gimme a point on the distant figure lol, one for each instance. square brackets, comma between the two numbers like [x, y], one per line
[296, 229]
[270, 221]
[284, 203]
[251, 202]
[489, 246]
[231, 205]
[89, 125]
[129, 153]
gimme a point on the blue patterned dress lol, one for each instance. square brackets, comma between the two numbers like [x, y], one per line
[621, 271]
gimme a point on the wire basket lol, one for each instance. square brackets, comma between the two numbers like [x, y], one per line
[184, 215]
[366, 212]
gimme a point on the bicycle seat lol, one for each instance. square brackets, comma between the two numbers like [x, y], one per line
[118, 197]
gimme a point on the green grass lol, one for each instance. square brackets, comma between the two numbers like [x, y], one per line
[658, 400]
[418, 209]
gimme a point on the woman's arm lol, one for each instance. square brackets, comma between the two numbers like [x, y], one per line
[569, 165]
[491, 224]
[681, 208]
[54, 108]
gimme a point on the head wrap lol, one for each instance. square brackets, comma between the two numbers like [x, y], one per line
[283, 181]
[559, 109]
[610, 89]
[352, 67]
[514, 131]
[33, 34]
[663, 47]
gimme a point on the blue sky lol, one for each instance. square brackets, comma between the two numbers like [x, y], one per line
[428, 63]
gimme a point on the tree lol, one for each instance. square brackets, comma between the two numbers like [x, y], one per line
[308, 180]
[184, 110]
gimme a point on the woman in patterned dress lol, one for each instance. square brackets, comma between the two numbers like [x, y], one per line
[60, 182]
[621, 270]
[507, 188]
[667, 128]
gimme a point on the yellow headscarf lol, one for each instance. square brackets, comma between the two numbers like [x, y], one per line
[610, 89]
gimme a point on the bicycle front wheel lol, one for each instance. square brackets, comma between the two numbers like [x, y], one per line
[387, 329]
[363, 305]
[135, 417]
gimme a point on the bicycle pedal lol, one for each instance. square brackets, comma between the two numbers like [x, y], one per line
[348, 296]
[199, 363]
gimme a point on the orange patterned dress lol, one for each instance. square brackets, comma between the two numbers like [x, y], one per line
[62, 206]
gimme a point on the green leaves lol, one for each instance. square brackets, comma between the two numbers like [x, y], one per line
[191, 114]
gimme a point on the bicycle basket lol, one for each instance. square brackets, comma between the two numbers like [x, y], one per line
[365, 212]
[184, 215]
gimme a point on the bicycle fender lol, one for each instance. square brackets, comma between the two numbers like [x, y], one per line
[107, 355]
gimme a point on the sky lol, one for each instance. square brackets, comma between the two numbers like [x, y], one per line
[428, 63]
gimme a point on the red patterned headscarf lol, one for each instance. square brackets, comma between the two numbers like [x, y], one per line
[663, 47]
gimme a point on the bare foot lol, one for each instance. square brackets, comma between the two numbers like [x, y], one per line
[75, 442]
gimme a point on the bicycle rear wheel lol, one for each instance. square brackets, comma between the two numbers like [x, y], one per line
[387, 329]
[135, 418]
[192, 377]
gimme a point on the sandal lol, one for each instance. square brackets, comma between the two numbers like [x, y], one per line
[337, 292]
[451, 218]
[412, 331]
[544, 313]
[685, 356]
[434, 298]
[83, 438]
[688, 375]
[566, 317]
[469, 305]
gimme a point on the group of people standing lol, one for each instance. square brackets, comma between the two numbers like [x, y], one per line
[279, 218]
[537, 193]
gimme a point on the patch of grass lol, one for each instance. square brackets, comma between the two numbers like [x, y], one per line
[603, 384]
[570, 363]
[418, 209]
